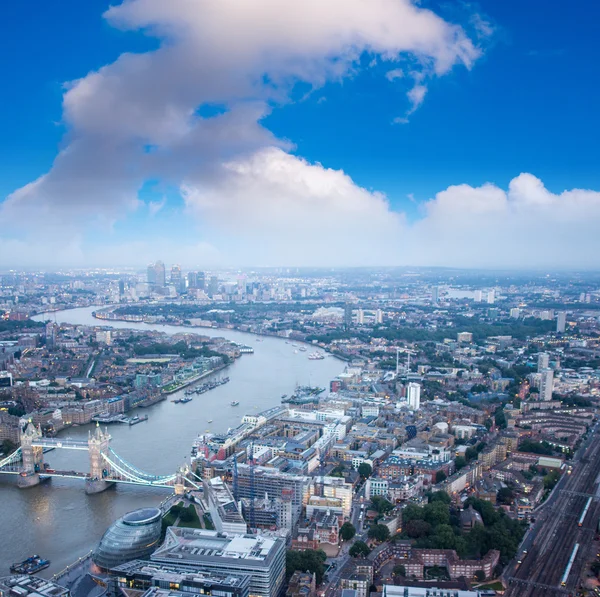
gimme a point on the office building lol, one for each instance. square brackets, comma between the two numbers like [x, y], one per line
[157, 274]
[30, 586]
[413, 396]
[336, 489]
[543, 361]
[224, 510]
[177, 278]
[348, 315]
[561, 322]
[515, 313]
[360, 317]
[261, 558]
[546, 384]
[478, 296]
[429, 591]
[292, 490]
[491, 297]
[171, 580]
[136, 535]
[435, 294]
[51, 334]
[213, 286]
[379, 316]
[196, 280]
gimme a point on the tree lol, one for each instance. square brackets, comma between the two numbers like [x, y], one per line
[359, 549]
[379, 532]
[505, 496]
[365, 470]
[399, 570]
[440, 476]
[416, 529]
[440, 496]
[480, 575]
[309, 559]
[436, 513]
[347, 531]
[460, 462]
[382, 505]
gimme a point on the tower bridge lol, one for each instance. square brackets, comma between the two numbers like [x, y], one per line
[106, 466]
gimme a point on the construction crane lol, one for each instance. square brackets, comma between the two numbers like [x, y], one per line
[408, 352]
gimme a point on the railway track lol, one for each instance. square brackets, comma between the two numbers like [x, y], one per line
[545, 565]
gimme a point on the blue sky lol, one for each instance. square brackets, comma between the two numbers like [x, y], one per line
[526, 105]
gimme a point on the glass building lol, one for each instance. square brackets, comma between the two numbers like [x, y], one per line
[134, 536]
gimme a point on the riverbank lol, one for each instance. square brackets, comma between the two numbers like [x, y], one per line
[188, 382]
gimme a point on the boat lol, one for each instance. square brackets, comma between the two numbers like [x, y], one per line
[184, 400]
[235, 403]
[135, 420]
[302, 349]
[209, 421]
[31, 565]
[316, 356]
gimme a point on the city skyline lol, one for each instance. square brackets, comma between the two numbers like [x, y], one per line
[400, 134]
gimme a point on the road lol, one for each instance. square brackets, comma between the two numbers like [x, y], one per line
[551, 541]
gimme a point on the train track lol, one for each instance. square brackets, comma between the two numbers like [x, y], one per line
[545, 564]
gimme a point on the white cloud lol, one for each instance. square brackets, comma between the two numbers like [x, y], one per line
[525, 226]
[155, 206]
[280, 209]
[396, 73]
[246, 56]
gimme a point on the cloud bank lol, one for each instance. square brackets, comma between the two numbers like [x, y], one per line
[254, 201]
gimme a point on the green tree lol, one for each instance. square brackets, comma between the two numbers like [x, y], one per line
[379, 532]
[365, 470]
[359, 549]
[505, 496]
[439, 496]
[382, 505]
[347, 531]
[309, 559]
[440, 476]
[416, 529]
[436, 513]
[399, 570]
[480, 575]
[460, 462]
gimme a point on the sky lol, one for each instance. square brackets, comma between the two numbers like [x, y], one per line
[314, 133]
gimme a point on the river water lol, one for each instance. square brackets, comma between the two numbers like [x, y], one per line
[60, 522]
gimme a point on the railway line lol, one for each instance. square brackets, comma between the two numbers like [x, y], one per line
[553, 564]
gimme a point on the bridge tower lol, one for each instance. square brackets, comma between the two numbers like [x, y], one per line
[98, 443]
[33, 456]
[180, 484]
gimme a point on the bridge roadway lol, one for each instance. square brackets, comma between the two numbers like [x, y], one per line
[66, 443]
[556, 531]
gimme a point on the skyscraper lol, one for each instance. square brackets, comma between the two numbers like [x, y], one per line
[546, 384]
[213, 286]
[543, 361]
[561, 322]
[413, 396]
[435, 294]
[491, 297]
[348, 315]
[157, 274]
[176, 277]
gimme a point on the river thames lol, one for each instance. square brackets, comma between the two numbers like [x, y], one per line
[58, 521]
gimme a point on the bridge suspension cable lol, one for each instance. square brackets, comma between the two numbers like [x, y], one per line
[135, 478]
[12, 459]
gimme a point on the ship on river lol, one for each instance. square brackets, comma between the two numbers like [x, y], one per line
[31, 565]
